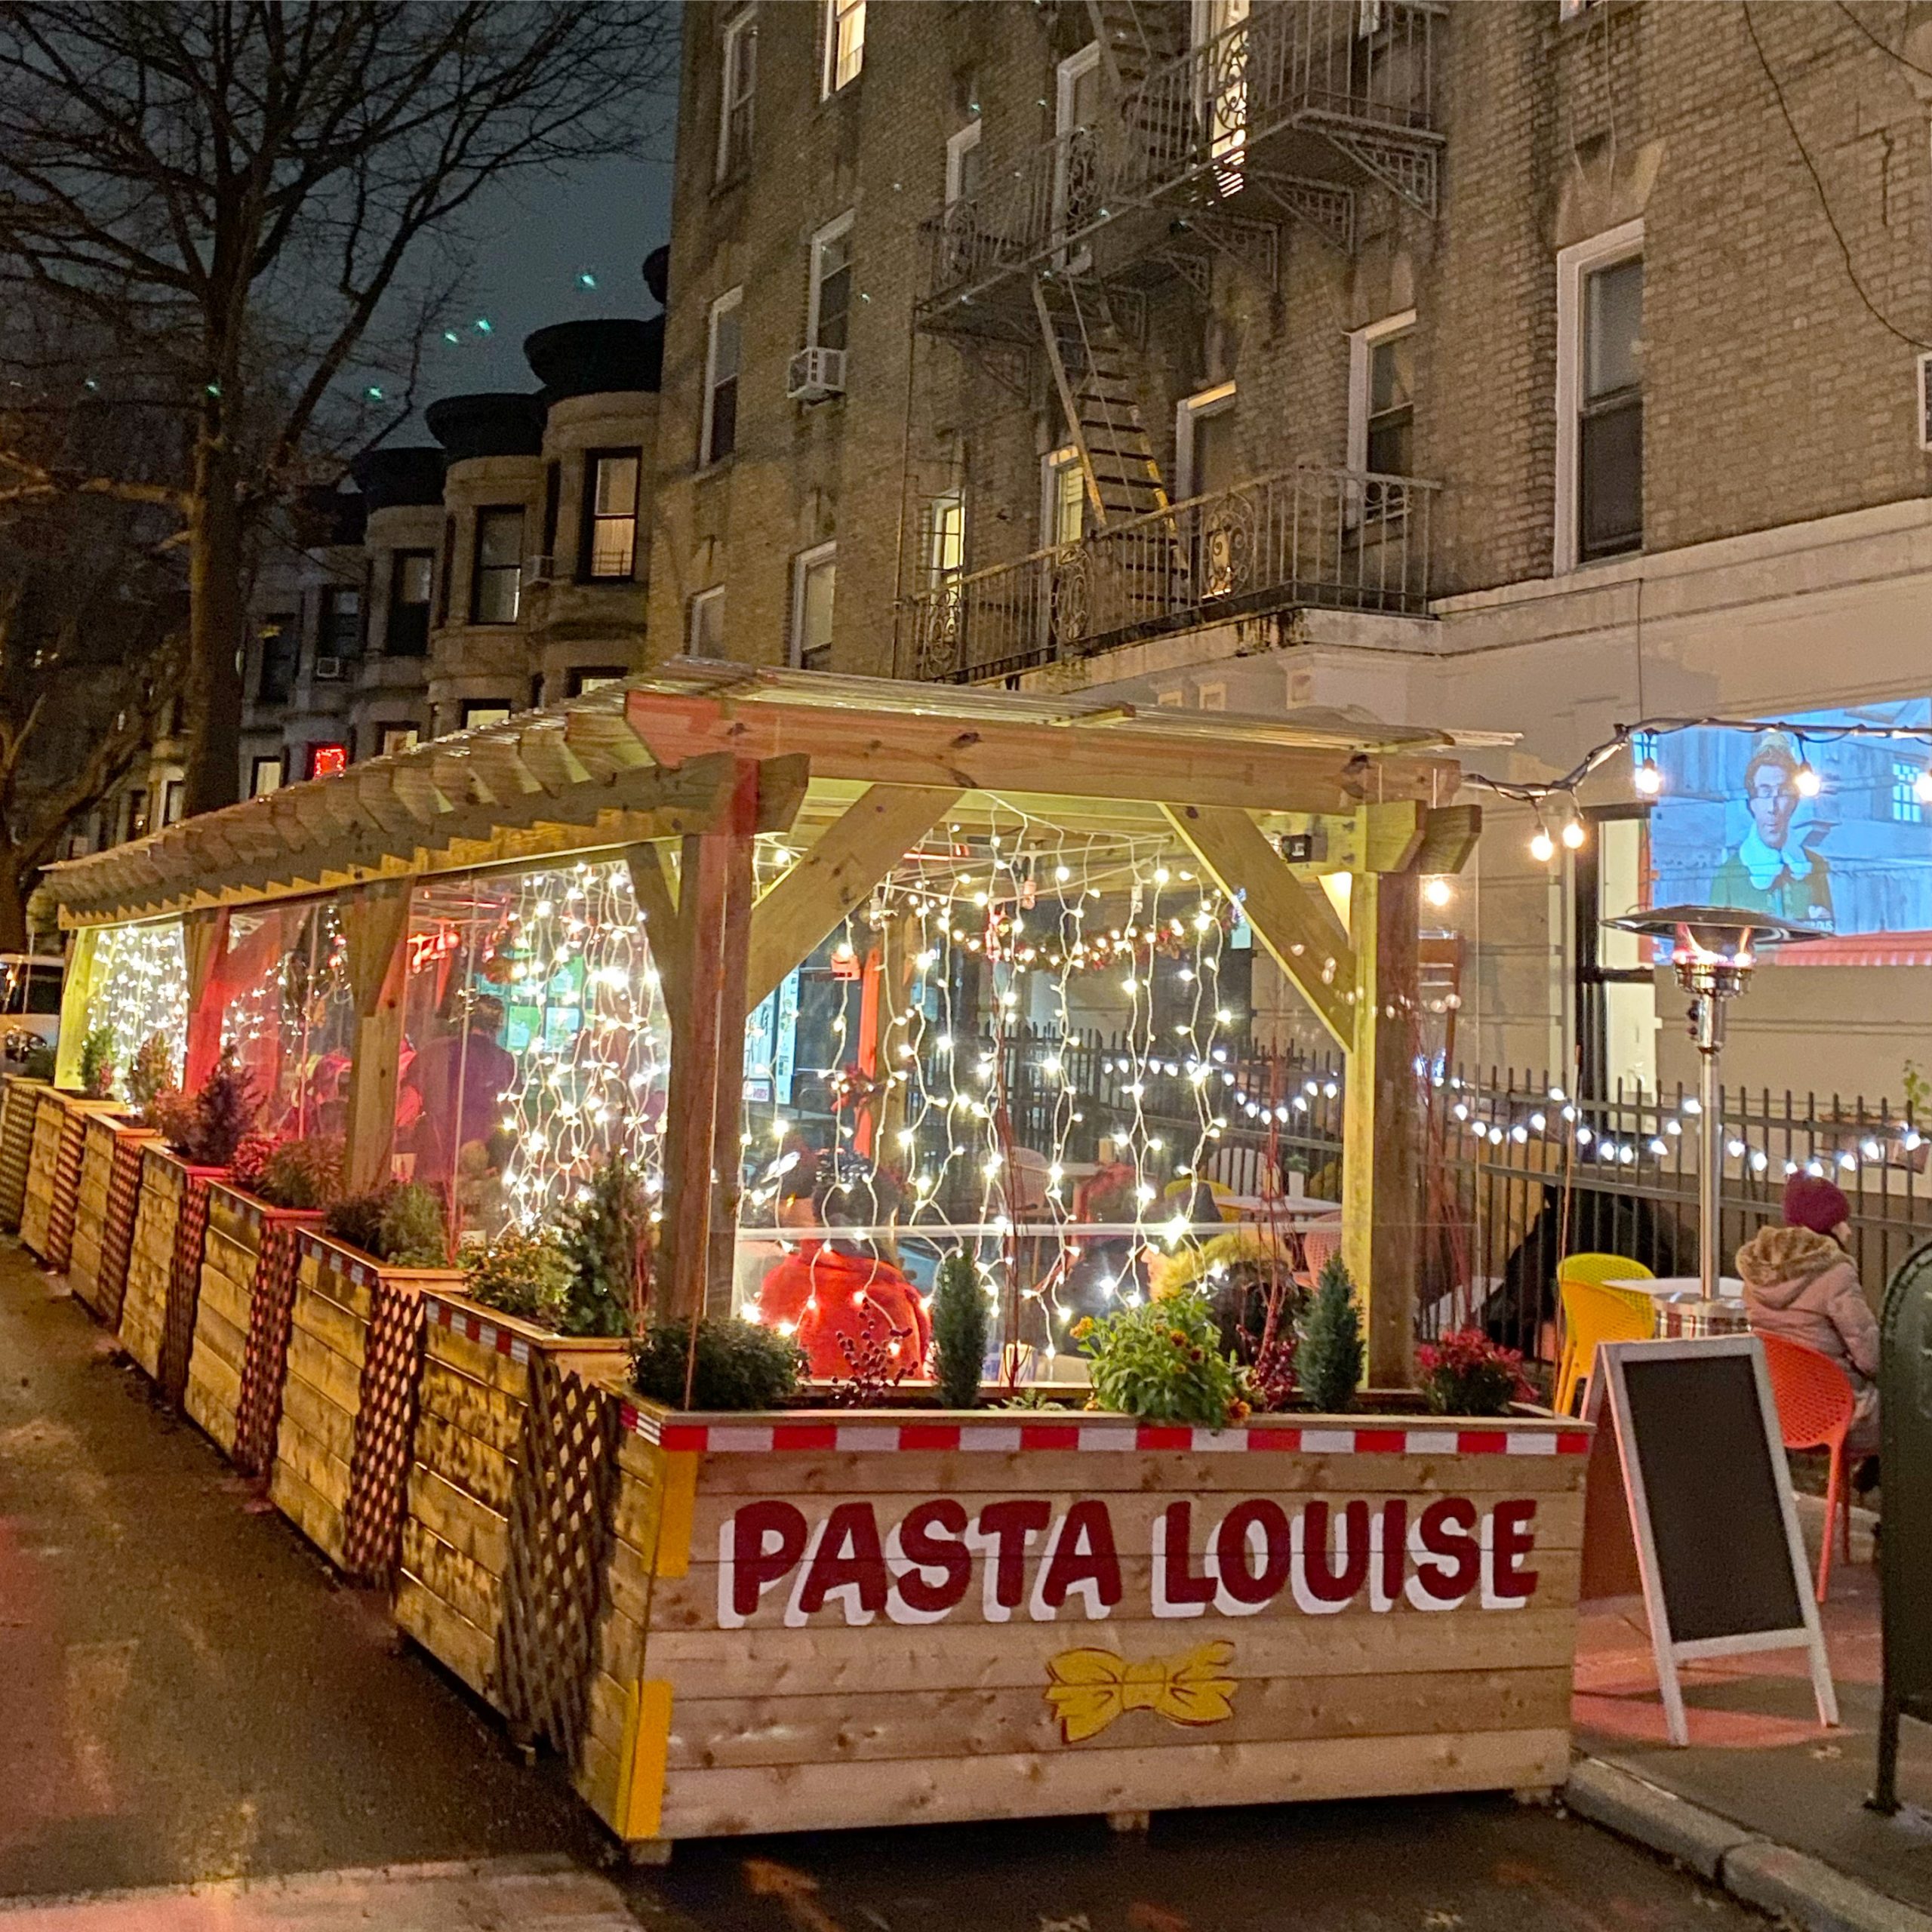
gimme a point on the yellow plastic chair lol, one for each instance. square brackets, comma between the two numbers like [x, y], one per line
[1592, 1314]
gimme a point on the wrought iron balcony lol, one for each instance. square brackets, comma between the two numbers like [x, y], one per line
[1291, 86]
[1343, 540]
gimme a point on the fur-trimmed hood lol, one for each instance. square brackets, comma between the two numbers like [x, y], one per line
[1780, 1263]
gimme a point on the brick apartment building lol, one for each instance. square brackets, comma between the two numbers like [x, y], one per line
[1498, 364]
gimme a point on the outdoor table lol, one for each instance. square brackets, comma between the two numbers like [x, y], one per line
[1304, 1207]
[1680, 1287]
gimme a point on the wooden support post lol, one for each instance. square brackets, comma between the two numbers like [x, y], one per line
[76, 1006]
[707, 1067]
[204, 941]
[656, 895]
[1382, 1122]
[375, 924]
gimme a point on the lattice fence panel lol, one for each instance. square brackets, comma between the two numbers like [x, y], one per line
[271, 1312]
[562, 1514]
[385, 1432]
[66, 1190]
[184, 1287]
[117, 1236]
[17, 1119]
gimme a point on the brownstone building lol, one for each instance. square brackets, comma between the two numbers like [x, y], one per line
[1522, 366]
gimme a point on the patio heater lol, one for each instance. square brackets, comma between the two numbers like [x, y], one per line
[1714, 948]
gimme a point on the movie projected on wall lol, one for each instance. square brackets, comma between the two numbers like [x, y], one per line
[1741, 823]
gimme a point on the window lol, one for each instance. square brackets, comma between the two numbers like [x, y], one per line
[1063, 499]
[496, 588]
[341, 633]
[720, 436]
[962, 164]
[173, 801]
[1076, 174]
[137, 820]
[1908, 806]
[945, 544]
[264, 776]
[738, 81]
[1224, 84]
[1574, 10]
[610, 490]
[553, 492]
[281, 644]
[1204, 443]
[448, 571]
[705, 633]
[829, 317]
[484, 711]
[392, 739]
[844, 42]
[327, 761]
[1600, 397]
[813, 576]
[411, 574]
[595, 677]
[1382, 412]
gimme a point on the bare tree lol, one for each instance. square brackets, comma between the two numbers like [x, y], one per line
[241, 196]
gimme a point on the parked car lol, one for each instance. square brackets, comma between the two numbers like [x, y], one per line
[29, 1005]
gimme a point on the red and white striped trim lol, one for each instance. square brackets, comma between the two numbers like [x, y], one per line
[363, 1274]
[485, 1334]
[873, 1438]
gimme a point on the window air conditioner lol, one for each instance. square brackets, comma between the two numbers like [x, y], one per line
[328, 669]
[816, 375]
[539, 570]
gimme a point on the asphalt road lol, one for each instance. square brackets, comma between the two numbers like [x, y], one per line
[186, 1695]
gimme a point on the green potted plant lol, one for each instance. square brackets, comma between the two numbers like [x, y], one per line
[1328, 1347]
[1161, 1362]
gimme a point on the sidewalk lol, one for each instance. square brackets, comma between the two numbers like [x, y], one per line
[1756, 1756]
[185, 1695]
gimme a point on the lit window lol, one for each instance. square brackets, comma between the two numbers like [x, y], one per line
[612, 483]
[739, 80]
[595, 677]
[264, 777]
[813, 579]
[945, 538]
[1908, 807]
[397, 738]
[706, 632]
[483, 711]
[828, 317]
[173, 801]
[496, 589]
[327, 761]
[720, 435]
[844, 42]
[1063, 513]
[1204, 442]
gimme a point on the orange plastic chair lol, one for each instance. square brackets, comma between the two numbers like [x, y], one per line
[1593, 1314]
[1318, 1245]
[1816, 1403]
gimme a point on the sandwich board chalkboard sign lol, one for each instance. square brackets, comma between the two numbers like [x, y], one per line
[1702, 1459]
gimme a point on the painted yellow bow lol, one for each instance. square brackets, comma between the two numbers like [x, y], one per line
[1089, 1688]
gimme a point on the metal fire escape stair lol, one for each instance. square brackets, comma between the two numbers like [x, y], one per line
[1093, 371]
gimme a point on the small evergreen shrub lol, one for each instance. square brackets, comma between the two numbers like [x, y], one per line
[206, 1130]
[607, 1237]
[151, 1074]
[960, 1320]
[740, 1365]
[1328, 1351]
[304, 1173]
[402, 1224]
[97, 1063]
[1162, 1362]
[528, 1275]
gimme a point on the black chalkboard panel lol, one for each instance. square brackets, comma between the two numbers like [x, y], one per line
[1713, 1492]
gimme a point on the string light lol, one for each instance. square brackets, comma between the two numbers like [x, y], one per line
[1573, 834]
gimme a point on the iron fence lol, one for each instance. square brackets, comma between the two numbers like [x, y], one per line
[1344, 539]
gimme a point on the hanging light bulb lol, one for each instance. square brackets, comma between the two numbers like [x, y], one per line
[1437, 892]
[1573, 834]
[1807, 781]
[1921, 788]
[1543, 847]
[1646, 780]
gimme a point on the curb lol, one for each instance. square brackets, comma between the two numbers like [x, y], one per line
[1791, 1884]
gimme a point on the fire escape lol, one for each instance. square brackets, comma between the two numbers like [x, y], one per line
[1194, 150]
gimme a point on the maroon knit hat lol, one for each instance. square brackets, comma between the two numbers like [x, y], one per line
[1811, 1203]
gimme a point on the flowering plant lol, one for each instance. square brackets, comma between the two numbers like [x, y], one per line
[1162, 1362]
[1466, 1373]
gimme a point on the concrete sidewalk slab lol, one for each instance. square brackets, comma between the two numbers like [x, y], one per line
[546, 1894]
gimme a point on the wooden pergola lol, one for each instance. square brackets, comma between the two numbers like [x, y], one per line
[679, 770]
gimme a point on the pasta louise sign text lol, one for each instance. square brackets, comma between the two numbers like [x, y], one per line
[921, 1562]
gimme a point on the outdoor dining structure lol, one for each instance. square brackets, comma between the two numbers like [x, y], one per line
[789, 940]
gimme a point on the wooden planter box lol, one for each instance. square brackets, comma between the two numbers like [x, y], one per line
[1397, 1614]
[19, 1108]
[53, 1174]
[348, 1417]
[241, 1322]
[165, 1267]
[104, 1215]
[485, 1462]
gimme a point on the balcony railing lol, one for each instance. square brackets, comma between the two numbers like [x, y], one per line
[1360, 73]
[1344, 540]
